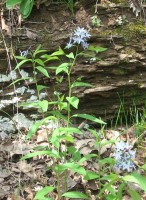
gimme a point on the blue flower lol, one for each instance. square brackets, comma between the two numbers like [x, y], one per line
[79, 36]
[24, 53]
[124, 156]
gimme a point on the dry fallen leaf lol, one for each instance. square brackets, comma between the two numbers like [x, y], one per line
[24, 166]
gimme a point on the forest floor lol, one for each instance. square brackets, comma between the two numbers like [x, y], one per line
[20, 179]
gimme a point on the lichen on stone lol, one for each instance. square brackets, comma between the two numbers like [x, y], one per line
[133, 30]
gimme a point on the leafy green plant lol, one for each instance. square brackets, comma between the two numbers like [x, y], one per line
[60, 109]
[66, 158]
[27, 5]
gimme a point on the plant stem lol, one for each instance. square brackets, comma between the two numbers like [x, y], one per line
[69, 85]
[69, 111]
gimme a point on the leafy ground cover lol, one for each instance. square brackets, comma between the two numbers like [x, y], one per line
[21, 179]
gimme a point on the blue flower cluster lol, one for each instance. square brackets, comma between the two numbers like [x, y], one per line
[24, 53]
[79, 36]
[124, 156]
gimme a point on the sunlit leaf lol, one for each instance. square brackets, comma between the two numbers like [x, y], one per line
[70, 130]
[120, 190]
[38, 153]
[136, 178]
[20, 79]
[143, 167]
[43, 71]
[75, 194]
[41, 87]
[36, 125]
[20, 57]
[109, 160]
[39, 50]
[89, 117]
[91, 175]
[81, 84]
[40, 195]
[86, 157]
[134, 194]
[11, 3]
[22, 62]
[62, 68]
[58, 53]
[96, 49]
[40, 62]
[74, 101]
[70, 55]
[44, 105]
[26, 7]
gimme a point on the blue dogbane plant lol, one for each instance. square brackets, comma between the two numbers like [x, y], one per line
[124, 156]
[79, 36]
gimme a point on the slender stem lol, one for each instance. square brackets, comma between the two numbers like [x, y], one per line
[35, 78]
[69, 86]
[69, 111]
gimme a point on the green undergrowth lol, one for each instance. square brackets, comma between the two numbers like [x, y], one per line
[66, 158]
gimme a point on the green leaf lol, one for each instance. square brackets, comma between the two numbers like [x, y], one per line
[22, 62]
[62, 105]
[38, 153]
[26, 7]
[107, 186]
[58, 115]
[120, 190]
[91, 175]
[40, 195]
[32, 130]
[74, 152]
[87, 157]
[69, 130]
[43, 71]
[71, 6]
[143, 167]
[96, 49]
[74, 167]
[104, 161]
[81, 84]
[41, 87]
[89, 117]
[62, 68]
[20, 79]
[11, 3]
[75, 194]
[58, 53]
[49, 58]
[44, 105]
[70, 55]
[74, 101]
[136, 178]
[69, 138]
[40, 62]
[39, 50]
[134, 194]
[20, 57]
[111, 197]
[110, 177]
[36, 125]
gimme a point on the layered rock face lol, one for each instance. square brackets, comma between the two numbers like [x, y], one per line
[118, 76]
